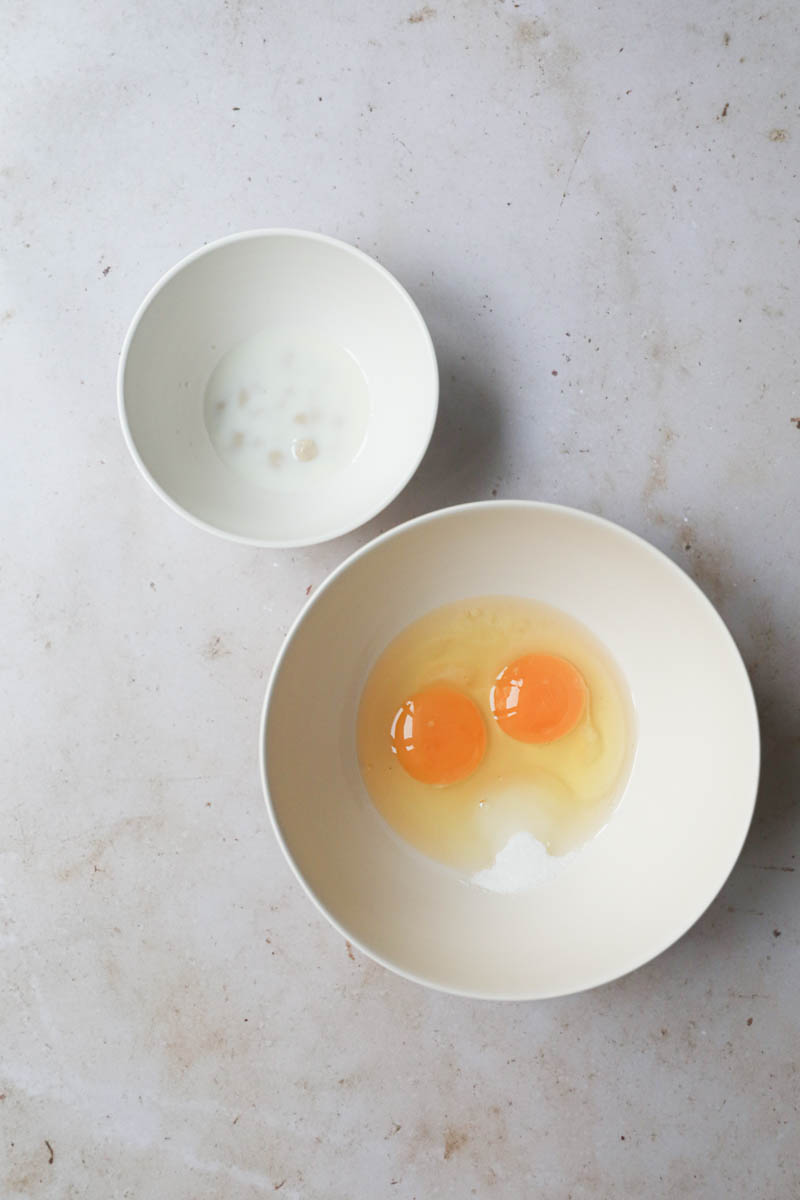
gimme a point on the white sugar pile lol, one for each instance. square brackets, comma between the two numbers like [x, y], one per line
[522, 864]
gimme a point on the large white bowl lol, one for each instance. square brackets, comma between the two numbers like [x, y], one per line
[667, 849]
[312, 287]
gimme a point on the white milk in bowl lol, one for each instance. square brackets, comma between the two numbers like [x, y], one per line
[286, 411]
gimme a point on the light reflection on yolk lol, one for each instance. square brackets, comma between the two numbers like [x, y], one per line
[538, 698]
[438, 736]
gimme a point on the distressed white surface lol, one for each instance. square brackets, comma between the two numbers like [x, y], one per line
[607, 192]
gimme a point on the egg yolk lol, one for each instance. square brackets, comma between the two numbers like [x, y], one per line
[538, 698]
[438, 736]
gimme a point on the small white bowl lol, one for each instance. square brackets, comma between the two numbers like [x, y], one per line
[314, 291]
[666, 850]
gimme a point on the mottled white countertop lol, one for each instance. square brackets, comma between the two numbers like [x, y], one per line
[597, 209]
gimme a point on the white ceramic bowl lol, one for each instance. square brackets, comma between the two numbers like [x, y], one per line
[668, 847]
[314, 290]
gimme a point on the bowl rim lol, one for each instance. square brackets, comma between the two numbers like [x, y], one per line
[217, 244]
[600, 978]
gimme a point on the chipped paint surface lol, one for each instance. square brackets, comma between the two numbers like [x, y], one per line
[596, 210]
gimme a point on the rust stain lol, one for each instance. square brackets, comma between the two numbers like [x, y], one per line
[709, 566]
[350, 954]
[658, 475]
[134, 827]
[422, 14]
[454, 1139]
[528, 33]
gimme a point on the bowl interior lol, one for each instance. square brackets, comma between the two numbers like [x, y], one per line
[673, 838]
[312, 290]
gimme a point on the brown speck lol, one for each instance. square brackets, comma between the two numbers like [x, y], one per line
[454, 1139]
[749, 1020]
[308, 589]
[235, 1119]
[350, 954]
[710, 563]
[106, 270]
[795, 421]
[554, 372]
[422, 14]
[236, 109]
[48, 645]
[494, 491]
[278, 1186]
[759, 867]
[152, 586]
[215, 648]
[776, 933]
[726, 39]
[50, 1148]
[622, 1137]
[657, 477]
[724, 112]
[779, 135]
[275, 458]
[530, 32]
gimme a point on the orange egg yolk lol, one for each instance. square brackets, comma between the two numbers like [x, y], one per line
[538, 698]
[438, 736]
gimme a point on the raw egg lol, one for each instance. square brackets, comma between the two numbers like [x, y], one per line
[438, 736]
[538, 698]
[492, 723]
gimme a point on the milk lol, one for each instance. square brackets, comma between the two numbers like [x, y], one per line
[287, 411]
